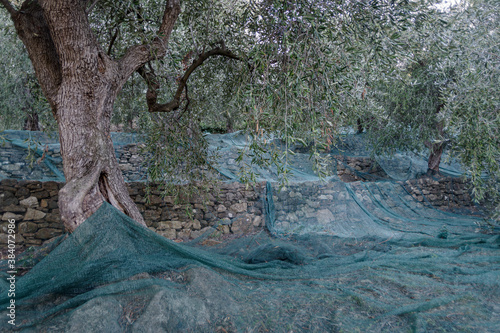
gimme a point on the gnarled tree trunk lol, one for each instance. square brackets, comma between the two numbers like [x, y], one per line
[90, 166]
[436, 148]
[81, 84]
[434, 158]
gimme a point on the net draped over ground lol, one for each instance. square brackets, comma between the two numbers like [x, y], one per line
[113, 275]
[334, 257]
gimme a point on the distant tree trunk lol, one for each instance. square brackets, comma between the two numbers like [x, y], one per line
[31, 122]
[360, 126]
[81, 83]
[436, 148]
[229, 123]
[435, 158]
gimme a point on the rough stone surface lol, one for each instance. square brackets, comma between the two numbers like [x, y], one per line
[27, 227]
[11, 216]
[196, 225]
[169, 225]
[101, 314]
[13, 209]
[242, 224]
[367, 166]
[33, 214]
[169, 233]
[47, 233]
[4, 238]
[324, 216]
[238, 208]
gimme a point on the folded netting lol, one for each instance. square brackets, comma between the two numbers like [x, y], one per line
[112, 275]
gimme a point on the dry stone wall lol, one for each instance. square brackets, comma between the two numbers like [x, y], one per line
[233, 207]
[131, 162]
[447, 193]
[351, 169]
[17, 163]
[325, 207]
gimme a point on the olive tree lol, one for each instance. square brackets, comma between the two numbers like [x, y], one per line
[405, 103]
[81, 81]
[445, 92]
[473, 99]
[295, 59]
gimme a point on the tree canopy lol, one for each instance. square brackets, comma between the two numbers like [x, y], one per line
[445, 92]
[303, 71]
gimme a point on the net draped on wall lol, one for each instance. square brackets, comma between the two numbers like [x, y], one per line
[334, 257]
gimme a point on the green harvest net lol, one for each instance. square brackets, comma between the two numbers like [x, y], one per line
[112, 275]
[36, 156]
[334, 257]
[401, 166]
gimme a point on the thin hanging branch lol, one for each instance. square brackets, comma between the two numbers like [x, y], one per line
[136, 56]
[153, 85]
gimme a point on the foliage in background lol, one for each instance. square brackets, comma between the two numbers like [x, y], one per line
[304, 67]
[445, 91]
[473, 101]
[20, 94]
[406, 111]
[298, 65]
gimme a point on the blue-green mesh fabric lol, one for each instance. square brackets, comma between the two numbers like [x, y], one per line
[31, 146]
[334, 257]
[112, 275]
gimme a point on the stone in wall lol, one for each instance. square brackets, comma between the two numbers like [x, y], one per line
[33, 205]
[447, 193]
[351, 169]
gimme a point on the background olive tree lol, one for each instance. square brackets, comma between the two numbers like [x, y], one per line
[406, 110]
[445, 93]
[473, 100]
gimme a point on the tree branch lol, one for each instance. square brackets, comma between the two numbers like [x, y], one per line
[153, 85]
[89, 9]
[113, 39]
[32, 28]
[6, 3]
[138, 55]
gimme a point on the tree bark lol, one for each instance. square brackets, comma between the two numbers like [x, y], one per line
[436, 148]
[174, 104]
[360, 126]
[89, 162]
[31, 121]
[229, 123]
[435, 158]
[81, 83]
